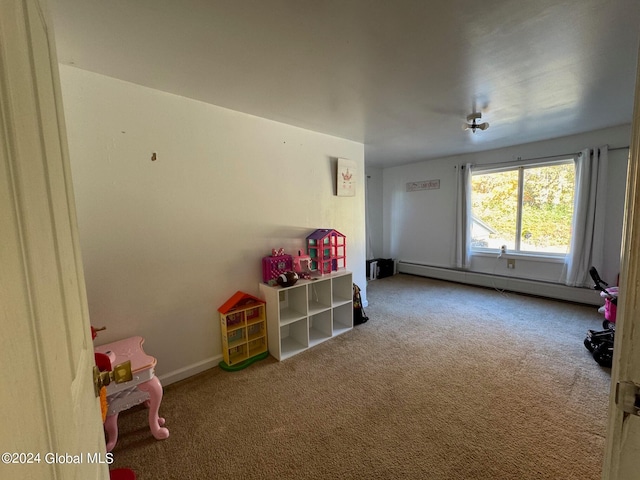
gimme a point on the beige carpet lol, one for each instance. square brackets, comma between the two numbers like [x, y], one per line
[444, 382]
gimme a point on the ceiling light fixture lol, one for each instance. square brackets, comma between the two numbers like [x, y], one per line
[473, 126]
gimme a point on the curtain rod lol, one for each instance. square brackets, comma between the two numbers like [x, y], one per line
[520, 159]
[567, 154]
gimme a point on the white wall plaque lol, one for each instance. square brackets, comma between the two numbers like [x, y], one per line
[424, 185]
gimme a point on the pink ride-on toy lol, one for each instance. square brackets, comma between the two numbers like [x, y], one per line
[610, 295]
[600, 343]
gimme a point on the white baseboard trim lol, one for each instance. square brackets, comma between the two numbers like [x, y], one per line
[520, 285]
[189, 371]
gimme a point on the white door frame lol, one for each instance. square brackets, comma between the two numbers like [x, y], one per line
[51, 426]
[622, 452]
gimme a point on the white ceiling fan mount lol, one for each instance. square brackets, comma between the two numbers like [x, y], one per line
[474, 125]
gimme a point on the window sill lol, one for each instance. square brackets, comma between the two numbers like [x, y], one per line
[532, 257]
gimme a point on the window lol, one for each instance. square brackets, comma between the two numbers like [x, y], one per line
[527, 208]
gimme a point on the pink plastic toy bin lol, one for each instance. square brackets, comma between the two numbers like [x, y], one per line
[610, 308]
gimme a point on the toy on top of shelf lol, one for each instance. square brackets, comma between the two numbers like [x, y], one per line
[275, 265]
[287, 279]
[327, 249]
[302, 265]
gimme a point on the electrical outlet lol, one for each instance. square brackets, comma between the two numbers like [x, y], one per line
[511, 263]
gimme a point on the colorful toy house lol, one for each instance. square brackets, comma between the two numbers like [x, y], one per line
[243, 327]
[327, 249]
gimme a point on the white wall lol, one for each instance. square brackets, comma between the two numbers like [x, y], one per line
[419, 226]
[166, 242]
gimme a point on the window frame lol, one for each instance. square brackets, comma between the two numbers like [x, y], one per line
[521, 166]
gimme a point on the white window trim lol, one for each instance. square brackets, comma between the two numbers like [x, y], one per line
[521, 166]
[542, 257]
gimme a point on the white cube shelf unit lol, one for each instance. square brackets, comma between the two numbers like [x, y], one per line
[307, 313]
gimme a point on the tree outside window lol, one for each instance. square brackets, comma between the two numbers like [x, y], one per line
[529, 209]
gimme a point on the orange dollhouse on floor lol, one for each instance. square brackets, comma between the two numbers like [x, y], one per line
[328, 250]
[243, 327]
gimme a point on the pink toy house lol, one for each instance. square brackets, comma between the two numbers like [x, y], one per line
[328, 250]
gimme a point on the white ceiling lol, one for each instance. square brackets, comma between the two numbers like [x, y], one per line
[399, 76]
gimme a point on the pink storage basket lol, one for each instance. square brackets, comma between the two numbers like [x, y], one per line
[610, 308]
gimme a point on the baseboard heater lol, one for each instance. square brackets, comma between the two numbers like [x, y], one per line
[520, 285]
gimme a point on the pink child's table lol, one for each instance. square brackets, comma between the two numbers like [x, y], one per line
[144, 388]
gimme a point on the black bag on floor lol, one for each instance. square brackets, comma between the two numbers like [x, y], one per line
[359, 316]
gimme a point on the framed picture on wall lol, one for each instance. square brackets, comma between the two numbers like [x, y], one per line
[346, 178]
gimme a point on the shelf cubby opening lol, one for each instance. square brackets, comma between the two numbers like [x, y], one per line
[342, 291]
[293, 304]
[294, 338]
[320, 328]
[342, 319]
[319, 294]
